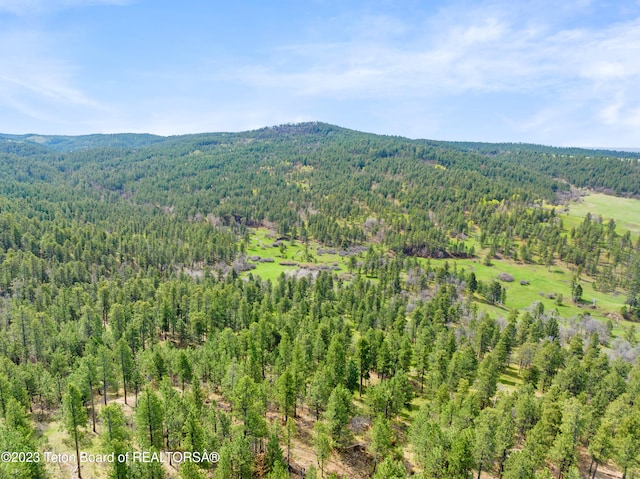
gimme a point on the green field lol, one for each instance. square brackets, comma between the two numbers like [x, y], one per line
[624, 211]
[543, 283]
[261, 244]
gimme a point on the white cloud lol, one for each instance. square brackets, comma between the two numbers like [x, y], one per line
[35, 84]
[494, 48]
[429, 75]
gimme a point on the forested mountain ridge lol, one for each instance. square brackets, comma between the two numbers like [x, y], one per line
[578, 166]
[130, 317]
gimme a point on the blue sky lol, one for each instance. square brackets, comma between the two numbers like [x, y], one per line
[559, 73]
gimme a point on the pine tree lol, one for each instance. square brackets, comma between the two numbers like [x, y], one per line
[487, 380]
[286, 393]
[363, 358]
[484, 448]
[323, 444]
[124, 357]
[115, 439]
[149, 419]
[75, 417]
[338, 414]
[382, 440]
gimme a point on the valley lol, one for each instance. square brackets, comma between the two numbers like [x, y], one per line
[312, 301]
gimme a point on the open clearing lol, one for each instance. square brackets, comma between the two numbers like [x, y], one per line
[624, 211]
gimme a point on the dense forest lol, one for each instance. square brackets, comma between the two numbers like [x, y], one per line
[133, 318]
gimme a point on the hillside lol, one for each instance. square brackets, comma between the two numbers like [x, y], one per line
[317, 299]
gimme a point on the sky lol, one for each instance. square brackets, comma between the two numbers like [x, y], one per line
[539, 71]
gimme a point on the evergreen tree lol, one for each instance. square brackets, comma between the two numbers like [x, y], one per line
[115, 439]
[382, 439]
[149, 419]
[338, 414]
[484, 449]
[323, 444]
[75, 418]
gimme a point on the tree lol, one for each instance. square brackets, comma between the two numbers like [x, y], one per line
[124, 356]
[149, 418]
[563, 452]
[115, 439]
[519, 466]
[626, 433]
[504, 433]
[485, 441]
[193, 432]
[548, 359]
[363, 357]
[185, 370]
[460, 457]
[496, 294]
[319, 391]
[601, 446]
[472, 283]
[382, 440]
[90, 375]
[274, 454]
[323, 444]
[16, 435]
[338, 414]
[174, 410]
[106, 370]
[390, 469]
[236, 461]
[527, 411]
[248, 407]
[289, 433]
[312, 472]
[188, 470]
[337, 359]
[430, 445]
[280, 471]
[487, 381]
[286, 393]
[75, 417]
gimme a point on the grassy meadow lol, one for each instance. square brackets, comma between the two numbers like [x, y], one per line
[624, 211]
[541, 283]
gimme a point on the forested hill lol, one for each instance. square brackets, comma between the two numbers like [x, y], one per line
[311, 301]
[82, 142]
[597, 169]
[344, 175]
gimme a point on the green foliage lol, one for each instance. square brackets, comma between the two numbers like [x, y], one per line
[338, 413]
[236, 461]
[390, 469]
[274, 456]
[75, 417]
[447, 453]
[126, 268]
[382, 439]
[17, 437]
[323, 444]
[149, 419]
[115, 439]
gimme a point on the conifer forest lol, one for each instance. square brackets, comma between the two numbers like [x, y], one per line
[308, 301]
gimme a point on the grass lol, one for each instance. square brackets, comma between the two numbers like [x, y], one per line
[261, 244]
[510, 380]
[543, 282]
[624, 211]
[59, 442]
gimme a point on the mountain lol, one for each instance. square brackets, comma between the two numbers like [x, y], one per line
[429, 305]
